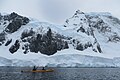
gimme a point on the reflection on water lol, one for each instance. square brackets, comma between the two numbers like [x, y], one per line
[14, 73]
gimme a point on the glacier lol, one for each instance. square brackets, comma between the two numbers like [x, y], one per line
[63, 60]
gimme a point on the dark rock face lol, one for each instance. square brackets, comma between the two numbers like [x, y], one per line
[0, 16]
[25, 48]
[46, 44]
[13, 26]
[15, 47]
[80, 46]
[8, 42]
[99, 48]
[2, 38]
[27, 33]
[81, 29]
[17, 22]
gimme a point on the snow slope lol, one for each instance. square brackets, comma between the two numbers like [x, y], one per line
[93, 40]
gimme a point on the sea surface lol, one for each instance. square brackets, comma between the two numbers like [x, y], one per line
[14, 73]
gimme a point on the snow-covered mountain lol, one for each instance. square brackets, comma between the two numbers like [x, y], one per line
[84, 40]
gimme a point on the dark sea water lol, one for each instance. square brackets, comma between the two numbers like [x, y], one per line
[14, 73]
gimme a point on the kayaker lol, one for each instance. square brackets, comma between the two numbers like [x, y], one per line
[43, 68]
[34, 68]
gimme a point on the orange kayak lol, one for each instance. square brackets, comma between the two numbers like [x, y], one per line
[48, 70]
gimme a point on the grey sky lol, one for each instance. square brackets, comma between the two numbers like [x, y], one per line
[56, 11]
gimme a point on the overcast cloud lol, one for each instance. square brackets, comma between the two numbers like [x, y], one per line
[56, 11]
